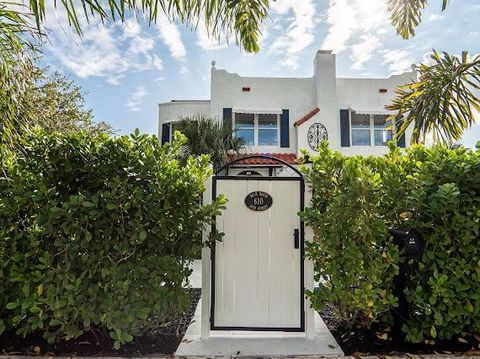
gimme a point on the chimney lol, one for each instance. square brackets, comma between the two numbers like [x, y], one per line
[325, 78]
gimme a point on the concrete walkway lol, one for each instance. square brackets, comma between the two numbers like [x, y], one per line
[257, 344]
[253, 344]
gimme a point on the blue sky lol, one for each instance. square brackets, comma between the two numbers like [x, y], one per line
[127, 69]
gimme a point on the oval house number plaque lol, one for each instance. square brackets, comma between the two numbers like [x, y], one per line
[258, 201]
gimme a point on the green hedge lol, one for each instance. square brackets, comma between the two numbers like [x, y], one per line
[96, 233]
[356, 200]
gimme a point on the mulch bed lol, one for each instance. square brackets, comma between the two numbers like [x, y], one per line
[161, 340]
[380, 340]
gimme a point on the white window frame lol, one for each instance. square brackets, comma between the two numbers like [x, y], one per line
[170, 135]
[256, 128]
[371, 129]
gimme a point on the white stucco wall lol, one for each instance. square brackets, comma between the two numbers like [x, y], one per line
[362, 94]
[174, 111]
[294, 94]
[359, 94]
[300, 96]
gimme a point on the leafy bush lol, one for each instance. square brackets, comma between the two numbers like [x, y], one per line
[355, 201]
[445, 289]
[97, 233]
[353, 261]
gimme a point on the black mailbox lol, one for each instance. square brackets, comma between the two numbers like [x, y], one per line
[410, 240]
[413, 245]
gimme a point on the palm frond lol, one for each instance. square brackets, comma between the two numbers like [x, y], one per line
[16, 37]
[406, 15]
[441, 103]
[241, 18]
[210, 136]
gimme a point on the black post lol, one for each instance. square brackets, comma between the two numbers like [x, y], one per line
[410, 245]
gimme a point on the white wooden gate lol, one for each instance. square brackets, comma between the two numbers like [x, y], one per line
[257, 269]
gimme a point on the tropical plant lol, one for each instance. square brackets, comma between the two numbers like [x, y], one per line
[56, 103]
[442, 102]
[242, 19]
[16, 41]
[209, 136]
[406, 15]
[356, 199]
[97, 232]
[353, 205]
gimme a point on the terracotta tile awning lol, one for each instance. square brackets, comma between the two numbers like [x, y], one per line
[290, 158]
[307, 117]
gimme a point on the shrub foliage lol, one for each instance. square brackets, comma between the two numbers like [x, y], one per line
[355, 201]
[96, 234]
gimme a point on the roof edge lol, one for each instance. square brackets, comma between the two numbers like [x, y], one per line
[307, 117]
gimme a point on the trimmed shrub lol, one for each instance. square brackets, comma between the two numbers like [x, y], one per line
[353, 261]
[445, 288]
[96, 233]
[356, 200]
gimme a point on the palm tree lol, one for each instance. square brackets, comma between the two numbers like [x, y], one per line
[241, 18]
[210, 136]
[442, 101]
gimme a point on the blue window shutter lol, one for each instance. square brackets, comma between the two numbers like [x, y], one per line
[227, 115]
[285, 128]
[401, 141]
[345, 128]
[165, 133]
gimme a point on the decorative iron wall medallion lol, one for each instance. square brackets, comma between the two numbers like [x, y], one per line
[258, 201]
[316, 133]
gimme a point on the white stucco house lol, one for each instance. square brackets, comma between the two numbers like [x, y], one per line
[280, 116]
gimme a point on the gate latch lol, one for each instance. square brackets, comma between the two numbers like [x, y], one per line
[296, 238]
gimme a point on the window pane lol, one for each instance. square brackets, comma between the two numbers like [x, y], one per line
[244, 127]
[267, 121]
[360, 120]
[244, 120]
[361, 137]
[247, 135]
[379, 121]
[381, 137]
[267, 130]
[267, 137]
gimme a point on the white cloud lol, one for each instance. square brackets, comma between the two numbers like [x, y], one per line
[398, 61]
[131, 28]
[363, 51]
[356, 25]
[300, 32]
[206, 42]
[108, 51]
[136, 98]
[342, 19]
[435, 17]
[157, 63]
[171, 37]
[141, 45]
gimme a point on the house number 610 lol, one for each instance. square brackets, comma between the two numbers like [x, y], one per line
[258, 201]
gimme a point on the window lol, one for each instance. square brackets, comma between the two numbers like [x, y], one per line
[245, 127]
[369, 129]
[257, 130]
[249, 173]
[267, 130]
[174, 126]
[360, 129]
[380, 134]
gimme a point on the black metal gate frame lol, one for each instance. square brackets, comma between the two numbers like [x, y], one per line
[217, 177]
